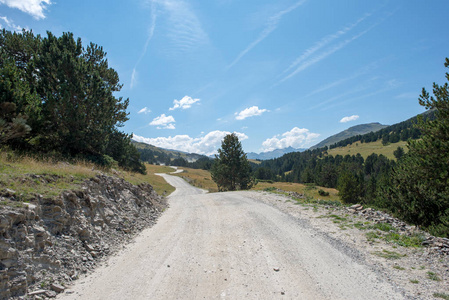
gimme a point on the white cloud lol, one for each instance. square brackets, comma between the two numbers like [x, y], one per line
[206, 145]
[296, 138]
[271, 25]
[349, 119]
[144, 110]
[34, 8]
[164, 122]
[184, 103]
[250, 112]
[10, 24]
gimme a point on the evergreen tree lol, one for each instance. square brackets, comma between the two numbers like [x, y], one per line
[398, 153]
[231, 170]
[348, 187]
[420, 185]
[63, 97]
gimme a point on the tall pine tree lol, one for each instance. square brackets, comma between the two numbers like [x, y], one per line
[231, 170]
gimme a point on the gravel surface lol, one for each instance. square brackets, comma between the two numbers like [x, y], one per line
[411, 272]
[245, 245]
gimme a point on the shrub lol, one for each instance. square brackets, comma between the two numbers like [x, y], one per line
[323, 193]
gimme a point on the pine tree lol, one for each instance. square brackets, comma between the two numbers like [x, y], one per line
[420, 184]
[231, 170]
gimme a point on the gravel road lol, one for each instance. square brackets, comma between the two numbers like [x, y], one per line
[231, 246]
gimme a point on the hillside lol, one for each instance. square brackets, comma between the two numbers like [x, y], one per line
[402, 131]
[350, 132]
[153, 154]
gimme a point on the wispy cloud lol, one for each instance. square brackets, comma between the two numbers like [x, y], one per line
[316, 59]
[153, 17]
[349, 119]
[207, 144]
[250, 112]
[352, 91]
[377, 91]
[164, 122]
[185, 103]
[338, 82]
[408, 95]
[324, 42]
[35, 8]
[309, 58]
[10, 24]
[271, 25]
[185, 29]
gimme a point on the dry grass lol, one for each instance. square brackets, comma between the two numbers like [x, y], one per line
[366, 149]
[308, 190]
[29, 177]
[199, 178]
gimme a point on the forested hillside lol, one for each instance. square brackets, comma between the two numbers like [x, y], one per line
[402, 131]
[57, 97]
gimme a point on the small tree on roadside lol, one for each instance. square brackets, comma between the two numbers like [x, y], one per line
[231, 170]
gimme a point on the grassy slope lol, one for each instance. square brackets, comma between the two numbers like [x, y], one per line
[366, 149]
[28, 177]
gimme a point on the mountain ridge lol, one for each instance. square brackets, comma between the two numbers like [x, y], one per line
[350, 132]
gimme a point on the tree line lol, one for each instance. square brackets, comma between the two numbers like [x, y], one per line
[58, 96]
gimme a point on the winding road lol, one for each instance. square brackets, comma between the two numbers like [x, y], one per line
[231, 246]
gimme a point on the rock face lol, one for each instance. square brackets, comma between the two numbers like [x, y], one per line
[44, 246]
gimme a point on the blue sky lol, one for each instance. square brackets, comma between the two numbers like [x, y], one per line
[278, 73]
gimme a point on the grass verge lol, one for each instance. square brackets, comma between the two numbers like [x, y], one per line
[22, 178]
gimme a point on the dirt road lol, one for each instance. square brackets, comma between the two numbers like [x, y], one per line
[229, 246]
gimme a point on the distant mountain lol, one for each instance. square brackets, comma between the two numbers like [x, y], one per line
[155, 154]
[272, 154]
[350, 132]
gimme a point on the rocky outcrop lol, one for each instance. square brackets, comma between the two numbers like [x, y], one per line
[50, 243]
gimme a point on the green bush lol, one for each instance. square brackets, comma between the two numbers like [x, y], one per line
[323, 193]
